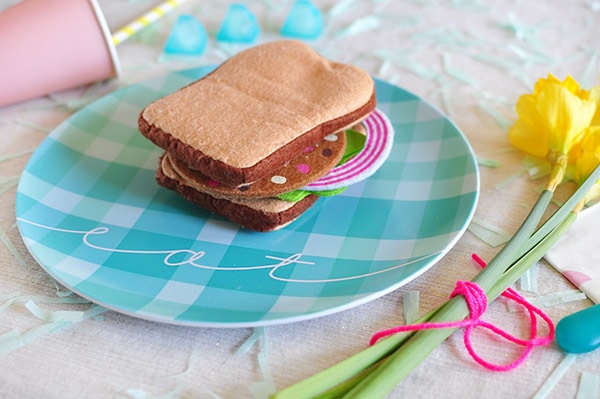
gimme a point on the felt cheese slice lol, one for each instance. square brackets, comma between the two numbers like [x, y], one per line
[257, 110]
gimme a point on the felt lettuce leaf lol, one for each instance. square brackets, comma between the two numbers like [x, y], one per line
[298, 195]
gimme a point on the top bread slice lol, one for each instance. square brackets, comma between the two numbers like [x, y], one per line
[257, 110]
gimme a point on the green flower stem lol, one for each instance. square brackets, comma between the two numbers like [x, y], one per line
[557, 172]
[339, 378]
[341, 372]
[561, 213]
[531, 257]
[455, 309]
[399, 364]
[334, 376]
[340, 390]
[512, 250]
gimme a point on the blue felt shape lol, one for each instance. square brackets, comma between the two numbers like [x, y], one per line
[304, 21]
[188, 37]
[580, 332]
[239, 25]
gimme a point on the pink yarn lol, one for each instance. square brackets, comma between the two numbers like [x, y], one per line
[477, 303]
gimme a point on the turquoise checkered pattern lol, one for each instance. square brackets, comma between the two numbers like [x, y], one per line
[92, 215]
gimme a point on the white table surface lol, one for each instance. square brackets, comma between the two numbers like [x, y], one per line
[501, 46]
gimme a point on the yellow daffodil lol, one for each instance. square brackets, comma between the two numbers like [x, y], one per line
[583, 159]
[595, 96]
[551, 121]
[585, 156]
[569, 83]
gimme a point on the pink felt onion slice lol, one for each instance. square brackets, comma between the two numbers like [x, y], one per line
[378, 144]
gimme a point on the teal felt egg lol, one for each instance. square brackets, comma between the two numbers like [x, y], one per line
[580, 332]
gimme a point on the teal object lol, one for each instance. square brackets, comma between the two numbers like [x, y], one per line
[90, 212]
[303, 22]
[188, 37]
[580, 332]
[239, 25]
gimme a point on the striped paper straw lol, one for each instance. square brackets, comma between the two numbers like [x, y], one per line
[140, 23]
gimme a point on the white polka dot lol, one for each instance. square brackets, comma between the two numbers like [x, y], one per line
[332, 137]
[278, 179]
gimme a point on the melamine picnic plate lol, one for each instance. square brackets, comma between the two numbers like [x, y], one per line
[91, 214]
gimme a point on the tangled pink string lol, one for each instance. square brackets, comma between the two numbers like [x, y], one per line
[477, 304]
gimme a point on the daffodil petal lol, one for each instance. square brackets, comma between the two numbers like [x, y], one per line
[571, 84]
[529, 131]
[567, 116]
[522, 136]
[528, 111]
[595, 97]
[586, 155]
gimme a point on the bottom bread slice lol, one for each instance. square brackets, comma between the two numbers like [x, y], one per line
[265, 214]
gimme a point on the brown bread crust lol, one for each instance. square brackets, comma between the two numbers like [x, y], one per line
[257, 110]
[229, 175]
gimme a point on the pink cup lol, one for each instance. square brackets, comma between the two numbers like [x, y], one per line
[52, 45]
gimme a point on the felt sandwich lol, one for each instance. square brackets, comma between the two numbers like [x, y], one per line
[262, 136]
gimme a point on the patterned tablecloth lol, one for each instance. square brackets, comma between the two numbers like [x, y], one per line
[185, 306]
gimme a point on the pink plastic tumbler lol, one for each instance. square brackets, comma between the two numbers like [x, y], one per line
[52, 45]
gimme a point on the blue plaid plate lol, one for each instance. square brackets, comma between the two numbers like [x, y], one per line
[92, 215]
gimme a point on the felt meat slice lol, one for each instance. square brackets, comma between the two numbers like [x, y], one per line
[313, 163]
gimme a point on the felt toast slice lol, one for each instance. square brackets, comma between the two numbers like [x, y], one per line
[257, 110]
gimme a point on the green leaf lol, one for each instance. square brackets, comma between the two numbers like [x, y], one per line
[297, 195]
[355, 142]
